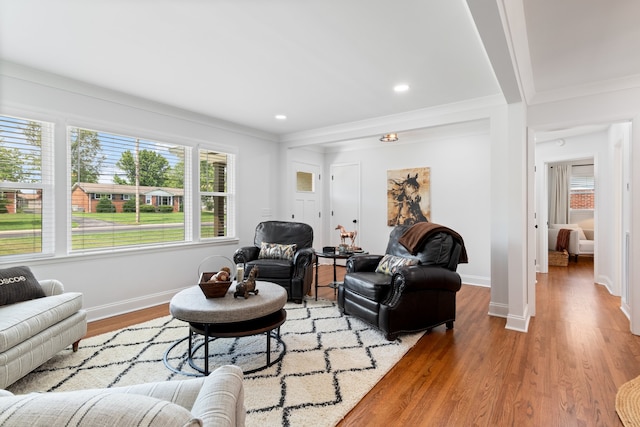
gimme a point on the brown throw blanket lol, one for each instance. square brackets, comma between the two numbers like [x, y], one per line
[562, 243]
[418, 233]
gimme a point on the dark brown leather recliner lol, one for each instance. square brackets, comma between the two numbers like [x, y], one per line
[296, 274]
[414, 298]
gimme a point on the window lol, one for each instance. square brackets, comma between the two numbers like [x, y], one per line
[97, 196]
[122, 191]
[304, 181]
[165, 201]
[152, 172]
[26, 186]
[216, 194]
[582, 187]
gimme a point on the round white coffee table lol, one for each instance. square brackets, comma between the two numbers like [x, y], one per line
[229, 317]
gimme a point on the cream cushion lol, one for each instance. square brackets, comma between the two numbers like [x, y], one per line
[92, 408]
[579, 242]
[215, 400]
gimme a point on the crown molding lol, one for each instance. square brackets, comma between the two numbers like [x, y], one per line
[587, 89]
[469, 110]
[33, 75]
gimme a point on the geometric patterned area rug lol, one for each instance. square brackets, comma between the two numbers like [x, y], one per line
[331, 361]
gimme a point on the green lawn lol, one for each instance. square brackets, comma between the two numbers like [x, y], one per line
[22, 221]
[19, 221]
[20, 245]
[83, 241]
[129, 218]
[125, 238]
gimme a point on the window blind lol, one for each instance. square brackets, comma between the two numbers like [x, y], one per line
[216, 194]
[109, 172]
[26, 187]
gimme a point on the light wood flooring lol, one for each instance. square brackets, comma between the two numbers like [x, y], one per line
[564, 372]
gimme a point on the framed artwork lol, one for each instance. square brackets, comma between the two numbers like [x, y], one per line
[408, 196]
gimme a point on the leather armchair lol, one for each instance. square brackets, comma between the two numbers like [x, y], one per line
[295, 275]
[414, 298]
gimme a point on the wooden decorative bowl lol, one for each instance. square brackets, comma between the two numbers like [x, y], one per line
[213, 289]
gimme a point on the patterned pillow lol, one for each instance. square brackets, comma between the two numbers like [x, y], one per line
[277, 251]
[18, 284]
[390, 264]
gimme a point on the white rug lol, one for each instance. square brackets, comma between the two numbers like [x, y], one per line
[331, 362]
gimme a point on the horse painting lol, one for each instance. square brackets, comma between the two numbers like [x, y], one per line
[408, 196]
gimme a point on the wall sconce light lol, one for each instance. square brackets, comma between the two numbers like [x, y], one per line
[390, 137]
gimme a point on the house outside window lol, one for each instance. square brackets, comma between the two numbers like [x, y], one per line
[106, 164]
[26, 187]
[582, 188]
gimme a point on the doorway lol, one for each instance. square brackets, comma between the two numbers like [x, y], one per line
[590, 146]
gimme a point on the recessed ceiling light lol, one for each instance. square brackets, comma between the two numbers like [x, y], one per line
[281, 117]
[389, 137]
[401, 88]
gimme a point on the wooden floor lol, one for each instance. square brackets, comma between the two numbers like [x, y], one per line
[564, 372]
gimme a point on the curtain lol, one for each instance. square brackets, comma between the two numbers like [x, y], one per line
[559, 194]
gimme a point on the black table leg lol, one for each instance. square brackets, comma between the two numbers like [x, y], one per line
[268, 348]
[206, 349]
[317, 259]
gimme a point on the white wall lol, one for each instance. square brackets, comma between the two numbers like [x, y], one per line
[460, 191]
[119, 282]
[487, 215]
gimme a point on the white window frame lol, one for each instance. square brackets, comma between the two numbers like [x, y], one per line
[98, 196]
[46, 185]
[121, 141]
[230, 195]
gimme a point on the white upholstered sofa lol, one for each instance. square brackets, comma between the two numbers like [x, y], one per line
[580, 240]
[35, 329]
[215, 400]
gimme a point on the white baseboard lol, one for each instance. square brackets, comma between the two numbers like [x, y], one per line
[606, 282]
[127, 306]
[498, 310]
[467, 279]
[519, 323]
[624, 307]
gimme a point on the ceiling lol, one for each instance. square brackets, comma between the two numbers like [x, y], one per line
[323, 63]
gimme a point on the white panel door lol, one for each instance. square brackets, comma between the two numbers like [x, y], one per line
[306, 188]
[344, 200]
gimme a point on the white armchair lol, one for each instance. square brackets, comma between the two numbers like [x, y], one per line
[580, 240]
[216, 400]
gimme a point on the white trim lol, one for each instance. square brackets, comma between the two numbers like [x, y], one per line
[129, 305]
[69, 85]
[519, 323]
[464, 111]
[482, 281]
[498, 309]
